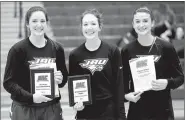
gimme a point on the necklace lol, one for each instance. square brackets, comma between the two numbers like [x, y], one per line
[152, 45]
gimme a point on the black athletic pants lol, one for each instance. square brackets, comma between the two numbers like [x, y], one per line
[50, 112]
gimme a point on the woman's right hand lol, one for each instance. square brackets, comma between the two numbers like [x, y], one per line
[38, 98]
[79, 106]
[133, 96]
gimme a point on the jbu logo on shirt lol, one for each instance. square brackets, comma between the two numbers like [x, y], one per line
[94, 64]
[42, 60]
[39, 61]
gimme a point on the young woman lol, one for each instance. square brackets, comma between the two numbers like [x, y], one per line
[154, 104]
[106, 78]
[34, 50]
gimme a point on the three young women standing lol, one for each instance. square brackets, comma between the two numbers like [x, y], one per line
[107, 78]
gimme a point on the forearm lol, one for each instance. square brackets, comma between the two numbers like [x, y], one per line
[120, 98]
[61, 65]
[120, 105]
[15, 90]
[10, 82]
[175, 71]
[174, 83]
[65, 74]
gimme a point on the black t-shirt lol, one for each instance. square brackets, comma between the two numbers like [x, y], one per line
[167, 65]
[17, 71]
[105, 68]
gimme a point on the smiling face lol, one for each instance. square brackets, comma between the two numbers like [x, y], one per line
[90, 26]
[142, 23]
[37, 23]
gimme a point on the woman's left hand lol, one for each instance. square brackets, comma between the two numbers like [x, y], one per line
[58, 77]
[159, 84]
[79, 106]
